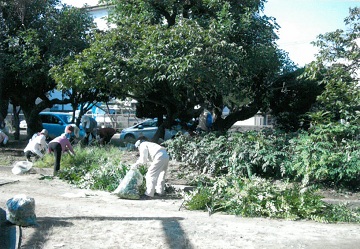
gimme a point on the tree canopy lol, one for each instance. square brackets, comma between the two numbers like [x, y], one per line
[175, 55]
[337, 64]
[38, 35]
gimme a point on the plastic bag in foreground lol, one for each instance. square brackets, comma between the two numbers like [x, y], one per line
[20, 210]
[129, 186]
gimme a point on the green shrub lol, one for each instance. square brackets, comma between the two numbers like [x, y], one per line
[92, 167]
[261, 153]
[208, 154]
[262, 198]
[199, 199]
[328, 154]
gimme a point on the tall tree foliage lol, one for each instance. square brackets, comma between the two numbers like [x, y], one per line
[180, 54]
[40, 34]
[337, 63]
[3, 99]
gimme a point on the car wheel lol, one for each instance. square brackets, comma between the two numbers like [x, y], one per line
[129, 138]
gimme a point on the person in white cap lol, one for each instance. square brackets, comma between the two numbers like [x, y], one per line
[37, 145]
[155, 176]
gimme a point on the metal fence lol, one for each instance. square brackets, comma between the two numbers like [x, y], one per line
[116, 121]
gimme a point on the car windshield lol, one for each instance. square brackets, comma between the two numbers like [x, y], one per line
[149, 123]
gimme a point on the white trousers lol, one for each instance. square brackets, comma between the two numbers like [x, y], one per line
[155, 176]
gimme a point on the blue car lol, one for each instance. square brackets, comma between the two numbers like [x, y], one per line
[55, 123]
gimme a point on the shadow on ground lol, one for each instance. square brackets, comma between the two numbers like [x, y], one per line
[175, 235]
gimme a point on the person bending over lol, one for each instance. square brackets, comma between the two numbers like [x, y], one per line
[89, 125]
[155, 176]
[60, 145]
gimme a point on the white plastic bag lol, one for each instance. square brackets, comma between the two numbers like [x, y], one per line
[129, 186]
[21, 167]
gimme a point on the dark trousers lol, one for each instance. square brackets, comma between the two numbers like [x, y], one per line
[29, 154]
[56, 148]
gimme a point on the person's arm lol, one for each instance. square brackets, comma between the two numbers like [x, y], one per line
[43, 143]
[70, 148]
[39, 145]
[143, 158]
[76, 131]
[37, 150]
[66, 146]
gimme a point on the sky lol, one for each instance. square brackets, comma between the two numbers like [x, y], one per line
[301, 21]
[80, 3]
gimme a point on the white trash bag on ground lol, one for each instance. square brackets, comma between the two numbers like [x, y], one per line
[20, 210]
[21, 167]
[129, 186]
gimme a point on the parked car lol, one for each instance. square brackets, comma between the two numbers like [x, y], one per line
[147, 129]
[55, 123]
[23, 124]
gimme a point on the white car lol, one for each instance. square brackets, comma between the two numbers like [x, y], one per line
[147, 129]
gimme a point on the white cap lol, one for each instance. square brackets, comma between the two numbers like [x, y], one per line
[137, 144]
[45, 132]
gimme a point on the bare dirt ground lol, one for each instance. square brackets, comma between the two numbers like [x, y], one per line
[73, 218]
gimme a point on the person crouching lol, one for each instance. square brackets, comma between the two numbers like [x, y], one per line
[37, 145]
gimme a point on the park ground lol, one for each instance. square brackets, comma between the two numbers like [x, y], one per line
[69, 217]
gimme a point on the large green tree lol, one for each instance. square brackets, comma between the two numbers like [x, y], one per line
[337, 64]
[4, 101]
[181, 54]
[39, 35]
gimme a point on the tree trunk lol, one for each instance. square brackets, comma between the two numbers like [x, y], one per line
[224, 124]
[33, 121]
[15, 123]
[160, 133]
[4, 103]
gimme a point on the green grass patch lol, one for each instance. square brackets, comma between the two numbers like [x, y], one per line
[98, 168]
